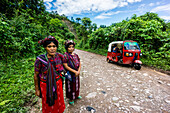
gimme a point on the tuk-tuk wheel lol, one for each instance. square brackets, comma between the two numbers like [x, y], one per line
[137, 66]
[108, 61]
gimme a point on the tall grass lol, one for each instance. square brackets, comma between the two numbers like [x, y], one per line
[17, 85]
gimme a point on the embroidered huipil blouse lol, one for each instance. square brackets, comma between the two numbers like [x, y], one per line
[72, 58]
[56, 61]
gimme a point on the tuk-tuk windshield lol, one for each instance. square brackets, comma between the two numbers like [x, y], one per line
[131, 46]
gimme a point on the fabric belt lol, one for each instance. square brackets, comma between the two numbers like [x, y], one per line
[44, 81]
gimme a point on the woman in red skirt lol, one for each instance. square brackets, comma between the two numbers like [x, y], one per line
[48, 77]
[72, 65]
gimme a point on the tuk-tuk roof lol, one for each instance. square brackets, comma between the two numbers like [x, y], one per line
[114, 42]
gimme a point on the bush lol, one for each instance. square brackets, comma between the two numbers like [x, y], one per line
[17, 85]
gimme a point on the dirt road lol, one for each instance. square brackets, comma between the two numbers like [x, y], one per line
[111, 88]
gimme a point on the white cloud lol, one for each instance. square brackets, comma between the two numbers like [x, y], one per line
[161, 8]
[48, 0]
[48, 5]
[69, 7]
[141, 8]
[132, 1]
[138, 0]
[113, 13]
[106, 15]
[158, 3]
[101, 17]
[110, 13]
[151, 4]
[142, 5]
[122, 4]
[165, 17]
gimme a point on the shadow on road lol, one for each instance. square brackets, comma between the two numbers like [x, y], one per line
[122, 65]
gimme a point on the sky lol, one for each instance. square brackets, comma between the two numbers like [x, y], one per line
[106, 12]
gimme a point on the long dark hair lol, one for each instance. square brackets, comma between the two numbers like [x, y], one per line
[66, 46]
[49, 41]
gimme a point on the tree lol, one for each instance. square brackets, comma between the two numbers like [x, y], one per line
[94, 26]
[168, 27]
[103, 26]
[10, 7]
[72, 19]
[86, 22]
[78, 19]
[134, 16]
[55, 25]
[153, 16]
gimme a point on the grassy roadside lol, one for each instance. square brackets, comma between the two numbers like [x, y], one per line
[157, 64]
[17, 81]
[17, 92]
[98, 51]
[17, 85]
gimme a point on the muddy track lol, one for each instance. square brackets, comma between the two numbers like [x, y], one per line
[111, 88]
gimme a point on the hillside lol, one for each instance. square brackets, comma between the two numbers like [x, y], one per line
[71, 28]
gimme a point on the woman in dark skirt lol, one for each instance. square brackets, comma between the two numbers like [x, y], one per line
[72, 65]
[48, 77]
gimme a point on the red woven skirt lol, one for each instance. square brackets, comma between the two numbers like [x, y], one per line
[59, 105]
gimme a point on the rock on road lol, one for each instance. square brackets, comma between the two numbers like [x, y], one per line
[111, 88]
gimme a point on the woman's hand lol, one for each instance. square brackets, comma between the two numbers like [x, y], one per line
[77, 73]
[37, 92]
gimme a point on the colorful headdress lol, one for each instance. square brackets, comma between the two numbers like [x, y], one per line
[69, 42]
[41, 42]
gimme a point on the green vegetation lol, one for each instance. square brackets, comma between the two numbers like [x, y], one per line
[17, 85]
[24, 22]
[150, 31]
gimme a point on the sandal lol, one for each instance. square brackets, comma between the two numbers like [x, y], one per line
[72, 103]
[79, 97]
